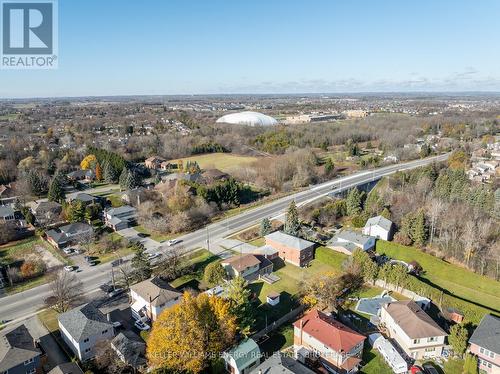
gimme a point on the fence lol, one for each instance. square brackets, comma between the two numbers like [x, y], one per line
[274, 325]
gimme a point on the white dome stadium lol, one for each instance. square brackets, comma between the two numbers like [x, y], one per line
[248, 118]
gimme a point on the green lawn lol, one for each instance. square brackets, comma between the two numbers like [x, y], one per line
[375, 363]
[459, 281]
[158, 236]
[222, 161]
[278, 340]
[48, 317]
[453, 366]
[199, 259]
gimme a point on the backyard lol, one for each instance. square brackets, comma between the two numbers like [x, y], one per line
[222, 161]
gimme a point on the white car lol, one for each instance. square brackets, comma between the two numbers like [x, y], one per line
[68, 250]
[117, 291]
[117, 324]
[172, 242]
[153, 255]
[141, 325]
[69, 268]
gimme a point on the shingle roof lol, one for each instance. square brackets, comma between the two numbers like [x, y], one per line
[279, 363]
[328, 331]
[67, 368]
[121, 210]
[16, 346]
[84, 321]
[157, 290]
[245, 353]
[487, 334]
[6, 211]
[85, 197]
[75, 228]
[131, 347]
[351, 236]
[379, 221]
[242, 262]
[413, 320]
[289, 240]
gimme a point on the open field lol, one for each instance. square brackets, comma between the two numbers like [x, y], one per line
[221, 161]
[375, 363]
[460, 282]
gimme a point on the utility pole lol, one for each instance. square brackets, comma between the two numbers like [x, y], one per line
[208, 240]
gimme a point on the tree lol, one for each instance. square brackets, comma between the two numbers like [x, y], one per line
[265, 227]
[88, 162]
[457, 160]
[98, 172]
[140, 263]
[214, 274]
[354, 202]
[238, 296]
[56, 191]
[419, 229]
[292, 224]
[109, 173]
[65, 289]
[191, 335]
[458, 339]
[329, 166]
[171, 266]
[75, 211]
[37, 183]
[368, 268]
[470, 364]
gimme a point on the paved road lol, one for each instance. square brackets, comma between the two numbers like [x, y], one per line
[28, 302]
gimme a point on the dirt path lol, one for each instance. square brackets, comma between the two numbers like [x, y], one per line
[50, 260]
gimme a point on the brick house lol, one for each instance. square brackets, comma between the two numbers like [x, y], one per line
[296, 251]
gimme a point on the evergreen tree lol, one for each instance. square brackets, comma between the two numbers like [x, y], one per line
[140, 263]
[386, 213]
[265, 227]
[56, 191]
[109, 173]
[292, 225]
[125, 179]
[214, 274]
[37, 183]
[458, 339]
[238, 295]
[329, 166]
[419, 229]
[75, 211]
[354, 202]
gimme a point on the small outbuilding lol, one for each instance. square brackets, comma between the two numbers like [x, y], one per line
[273, 298]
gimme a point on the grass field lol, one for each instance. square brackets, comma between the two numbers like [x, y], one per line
[375, 363]
[199, 259]
[221, 161]
[460, 282]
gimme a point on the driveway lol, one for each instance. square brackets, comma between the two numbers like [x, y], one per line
[131, 233]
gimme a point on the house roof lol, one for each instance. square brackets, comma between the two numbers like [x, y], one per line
[351, 236]
[157, 290]
[379, 221]
[289, 240]
[413, 320]
[6, 211]
[245, 353]
[85, 197]
[487, 334]
[16, 346]
[279, 363]
[328, 331]
[75, 228]
[47, 206]
[348, 246]
[84, 321]
[125, 209]
[131, 347]
[242, 262]
[66, 368]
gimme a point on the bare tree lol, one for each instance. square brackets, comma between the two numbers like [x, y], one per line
[65, 291]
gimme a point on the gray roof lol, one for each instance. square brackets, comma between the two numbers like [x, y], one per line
[84, 321]
[279, 363]
[131, 347]
[348, 246]
[156, 289]
[125, 209]
[289, 240]
[85, 197]
[67, 368]
[47, 206]
[6, 211]
[75, 228]
[351, 236]
[379, 221]
[16, 346]
[487, 334]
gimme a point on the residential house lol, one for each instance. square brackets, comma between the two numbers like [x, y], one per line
[47, 212]
[120, 218]
[243, 358]
[296, 251]
[67, 368]
[130, 349]
[247, 266]
[82, 328]
[188, 177]
[81, 175]
[418, 335]
[319, 337]
[85, 198]
[7, 213]
[71, 234]
[19, 353]
[166, 165]
[210, 176]
[380, 227]
[6, 191]
[137, 196]
[485, 344]
[348, 241]
[152, 296]
[279, 363]
[154, 162]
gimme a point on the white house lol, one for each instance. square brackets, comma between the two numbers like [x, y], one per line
[151, 297]
[348, 241]
[379, 227]
[418, 335]
[243, 358]
[82, 328]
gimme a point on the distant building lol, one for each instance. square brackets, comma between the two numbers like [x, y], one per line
[67, 368]
[379, 227]
[82, 328]
[154, 162]
[248, 118]
[7, 213]
[19, 354]
[120, 218]
[243, 358]
[151, 297]
[279, 363]
[47, 212]
[81, 175]
[348, 241]
[485, 344]
[296, 251]
[247, 266]
[70, 234]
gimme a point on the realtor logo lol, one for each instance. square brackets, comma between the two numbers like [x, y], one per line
[29, 34]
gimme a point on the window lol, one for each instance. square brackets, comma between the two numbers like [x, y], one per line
[27, 362]
[432, 339]
[430, 349]
[105, 331]
[492, 355]
[416, 341]
[481, 350]
[86, 340]
[87, 350]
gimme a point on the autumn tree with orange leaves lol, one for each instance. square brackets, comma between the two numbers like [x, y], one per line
[190, 336]
[98, 172]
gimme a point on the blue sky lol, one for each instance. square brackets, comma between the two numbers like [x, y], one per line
[125, 47]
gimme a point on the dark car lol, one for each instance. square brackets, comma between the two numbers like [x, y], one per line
[430, 369]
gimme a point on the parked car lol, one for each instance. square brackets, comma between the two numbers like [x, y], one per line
[117, 324]
[416, 370]
[153, 255]
[92, 263]
[69, 268]
[172, 242]
[68, 250]
[78, 251]
[141, 325]
[115, 292]
[429, 368]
